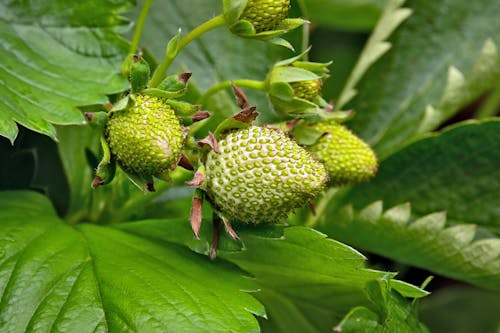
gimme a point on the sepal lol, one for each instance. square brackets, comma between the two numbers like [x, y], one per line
[234, 15]
[106, 169]
[286, 76]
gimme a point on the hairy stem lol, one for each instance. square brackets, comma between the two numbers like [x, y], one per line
[254, 84]
[161, 71]
[134, 44]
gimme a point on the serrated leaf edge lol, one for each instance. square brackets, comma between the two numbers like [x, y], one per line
[393, 15]
[460, 241]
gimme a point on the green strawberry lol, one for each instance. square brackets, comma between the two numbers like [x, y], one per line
[265, 15]
[261, 175]
[348, 159]
[147, 138]
[307, 89]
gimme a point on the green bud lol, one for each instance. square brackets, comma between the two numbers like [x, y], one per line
[260, 19]
[294, 87]
[307, 90]
[139, 74]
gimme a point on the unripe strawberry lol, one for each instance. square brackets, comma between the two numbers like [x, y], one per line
[261, 175]
[307, 90]
[146, 139]
[348, 159]
[265, 15]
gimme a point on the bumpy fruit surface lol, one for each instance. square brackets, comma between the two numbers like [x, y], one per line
[347, 158]
[265, 15]
[147, 138]
[260, 175]
[307, 89]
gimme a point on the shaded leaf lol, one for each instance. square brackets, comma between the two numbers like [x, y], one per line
[344, 14]
[456, 171]
[461, 310]
[458, 251]
[443, 57]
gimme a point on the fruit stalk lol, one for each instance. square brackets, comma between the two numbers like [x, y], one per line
[254, 84]
[161, 71]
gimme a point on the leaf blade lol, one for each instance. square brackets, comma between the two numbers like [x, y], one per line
[424, 80]
[55, 277]
[56, 60]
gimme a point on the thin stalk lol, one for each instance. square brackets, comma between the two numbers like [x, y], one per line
[134, 45]
[254, 84]
[161, 71]
[305, 39]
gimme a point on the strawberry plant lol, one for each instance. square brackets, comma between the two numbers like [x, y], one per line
[249, 165]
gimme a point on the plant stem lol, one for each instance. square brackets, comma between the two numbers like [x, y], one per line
[305, 40]
[134, 44]
[139, 27]
[254, 84]
[161, 71]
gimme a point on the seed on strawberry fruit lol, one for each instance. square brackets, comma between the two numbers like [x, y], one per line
[265, 15]
[348, 159]
[307, 89]
[261, 175]
[147, 138]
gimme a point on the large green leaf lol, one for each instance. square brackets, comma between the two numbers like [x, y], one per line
[459, 251]
[55, 59]
[94, 279]
[317, 278]
[456, 171]
[443, 56]
[344, 14]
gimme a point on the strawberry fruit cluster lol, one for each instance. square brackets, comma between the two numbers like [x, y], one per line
[248, 173]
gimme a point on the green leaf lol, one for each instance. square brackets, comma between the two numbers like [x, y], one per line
[314, 272]
[393, 314]
[317, 276]
[459, 251]
[437, 64]
[360, 15]
[55, 59]
[460, 309]
[376, 46]
[280, 309]
[456, 170]
[94, 279]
